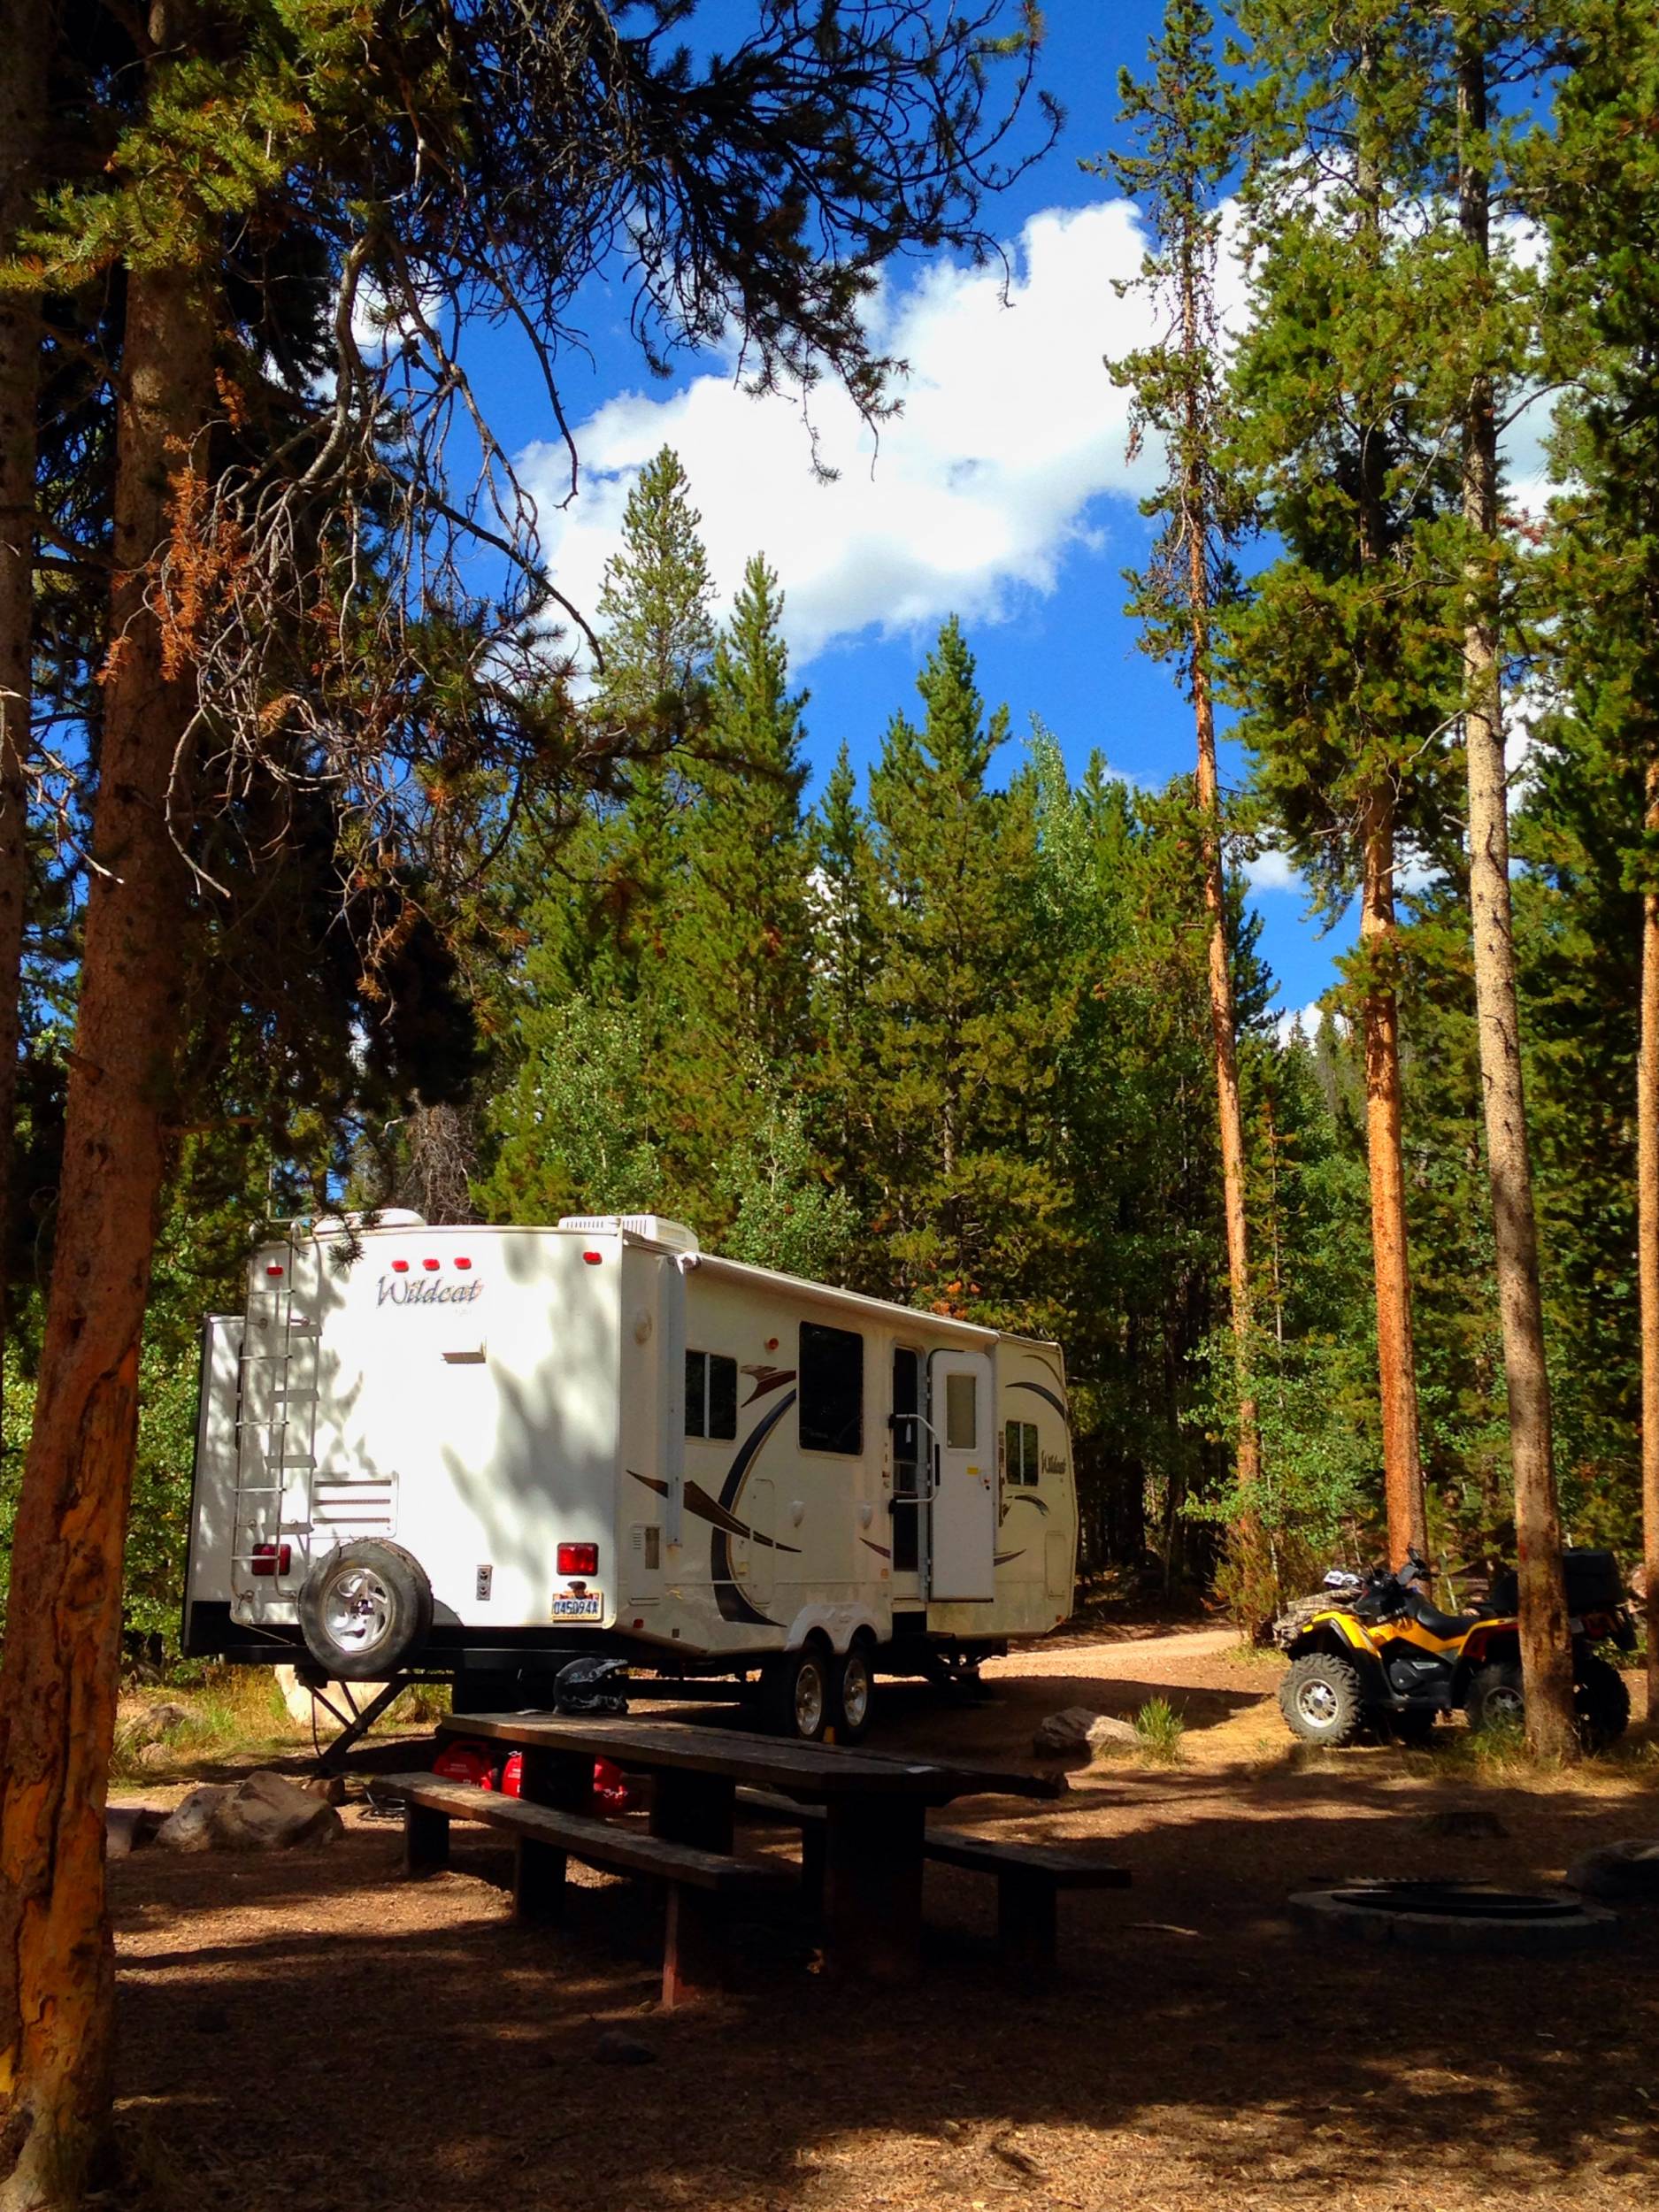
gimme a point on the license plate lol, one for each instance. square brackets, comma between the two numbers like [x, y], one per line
[579, 1605]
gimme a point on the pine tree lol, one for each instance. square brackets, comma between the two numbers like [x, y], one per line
[844, 906]
[735, 963]
[658, 630]
[1187, 143]
[1603, 206]
[1341, 657]
[961, 1047]
[1484, 343]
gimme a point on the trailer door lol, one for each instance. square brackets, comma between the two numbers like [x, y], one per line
[962, 1554]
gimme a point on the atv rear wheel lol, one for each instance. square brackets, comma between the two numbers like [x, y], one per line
[1603, 1700]
[1322, 1700]
[1497, 1697]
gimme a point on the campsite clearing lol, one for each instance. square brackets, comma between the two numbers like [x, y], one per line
[315, 2029]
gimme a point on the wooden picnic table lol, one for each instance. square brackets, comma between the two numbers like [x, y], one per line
[875, 1806]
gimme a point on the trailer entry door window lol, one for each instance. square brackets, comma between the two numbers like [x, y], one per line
[1022, 1452]
[832, 1390]
[711, 1395]
[962, 1413]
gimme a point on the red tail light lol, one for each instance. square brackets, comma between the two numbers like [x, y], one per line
[594, 1259]
[271, 1559]
[578, 1559]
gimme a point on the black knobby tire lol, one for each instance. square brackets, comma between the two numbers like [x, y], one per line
[1497, 1698]
[1323, 1698]
[795, 1693]
[852, 1694]
[366, 1610]
[1603, 1700]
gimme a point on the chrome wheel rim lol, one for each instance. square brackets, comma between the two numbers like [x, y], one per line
[357, 1609]
[856, 1690]
[1505, 1705]
[809, 1697]
[1317, 1704]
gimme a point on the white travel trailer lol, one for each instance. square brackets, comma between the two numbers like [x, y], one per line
[486, 1451]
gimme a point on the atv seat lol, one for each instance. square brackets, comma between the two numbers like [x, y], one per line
[1439, 1623]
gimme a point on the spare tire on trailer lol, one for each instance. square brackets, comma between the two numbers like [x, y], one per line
[366, 1610]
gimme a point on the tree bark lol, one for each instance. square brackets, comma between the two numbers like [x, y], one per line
[1396, 1357]
[26, 31]
[58, 1679]
[1223, 1018]
[1545, 1643]
[1647, 1244]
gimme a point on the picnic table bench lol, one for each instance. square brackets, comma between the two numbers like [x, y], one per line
[1029, 1876]
[873, 1822]
[700, 1884]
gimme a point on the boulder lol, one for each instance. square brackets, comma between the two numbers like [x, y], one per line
[186, 1827]
[269, 1813]
[1623, 1873]
[1080, 1730]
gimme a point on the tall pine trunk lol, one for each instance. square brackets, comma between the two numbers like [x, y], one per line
[58, 1683]
[1223, 1018]
[1647, 1244]
[25, 41]
[1385, 1152]
[1546, 1644]
[1385, 1145]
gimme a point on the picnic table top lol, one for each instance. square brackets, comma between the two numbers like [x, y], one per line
[805, 1770]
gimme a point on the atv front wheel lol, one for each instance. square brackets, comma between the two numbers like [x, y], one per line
[1496, 1698]
[1602, 1700]
[1322, 1700]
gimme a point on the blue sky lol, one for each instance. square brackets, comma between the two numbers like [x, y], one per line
[1002, 494]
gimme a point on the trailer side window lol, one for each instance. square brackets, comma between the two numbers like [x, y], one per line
[1022, 1465]
[711, 1395]
[832, 1390]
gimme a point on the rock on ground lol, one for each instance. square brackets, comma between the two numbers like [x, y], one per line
[1623, 1873]
[266, 1813]
[1080, 1729]
[186, 1826]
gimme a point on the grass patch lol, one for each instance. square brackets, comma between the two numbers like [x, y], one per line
[1159, 1729]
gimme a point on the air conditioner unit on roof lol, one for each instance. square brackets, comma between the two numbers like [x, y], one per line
[654, 1228]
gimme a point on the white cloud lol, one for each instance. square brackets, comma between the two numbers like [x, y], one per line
[1011, 426]
[1272, 870]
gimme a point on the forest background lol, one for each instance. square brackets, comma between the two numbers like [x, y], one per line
[943, 1034]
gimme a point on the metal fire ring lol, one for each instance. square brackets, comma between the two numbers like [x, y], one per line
[1456, 1916]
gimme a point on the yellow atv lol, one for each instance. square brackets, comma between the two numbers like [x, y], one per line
[1381, 1657]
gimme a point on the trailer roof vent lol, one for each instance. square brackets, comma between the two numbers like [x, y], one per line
[657, 1228]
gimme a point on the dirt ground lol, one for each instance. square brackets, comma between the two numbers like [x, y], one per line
[314, 2031]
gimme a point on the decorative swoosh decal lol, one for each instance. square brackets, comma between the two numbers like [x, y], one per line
[1042, 1391]
[882, 1551]
[1001, 1558]
[708, 1508]
[767, 1379]
[1025, 1497]
[651, 1482]
[733, 1603]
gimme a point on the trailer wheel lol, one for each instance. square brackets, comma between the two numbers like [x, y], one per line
[366, 1610]
[795, 1693]
[852, 1693]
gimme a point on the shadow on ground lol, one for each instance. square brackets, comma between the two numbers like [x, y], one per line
[317, 2032]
